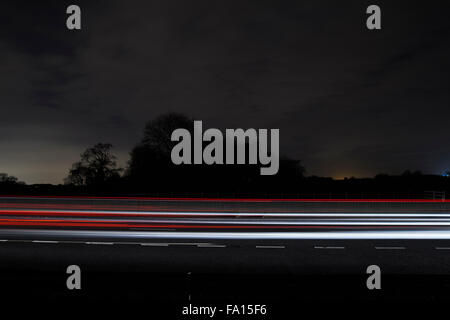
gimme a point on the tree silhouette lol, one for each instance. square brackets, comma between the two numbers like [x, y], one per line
[7, 179]
[157, 133]
[151, 169]
[150, 164]
[97, 167]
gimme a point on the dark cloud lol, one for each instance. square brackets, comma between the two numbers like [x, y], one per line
[348, 101]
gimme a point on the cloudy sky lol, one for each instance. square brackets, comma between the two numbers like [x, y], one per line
[348, 101]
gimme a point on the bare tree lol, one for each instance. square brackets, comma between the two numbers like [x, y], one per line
[96, 167]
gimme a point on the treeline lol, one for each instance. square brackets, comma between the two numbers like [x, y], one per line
[386, 186]
[150, 172]
[150, 169]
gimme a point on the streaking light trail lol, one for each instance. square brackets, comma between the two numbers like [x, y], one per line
[223, 219]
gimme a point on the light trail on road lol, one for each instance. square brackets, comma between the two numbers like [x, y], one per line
[225, 218]
[134, 235]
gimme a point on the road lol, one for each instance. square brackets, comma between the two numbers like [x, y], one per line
[232, 235]
[220, 247]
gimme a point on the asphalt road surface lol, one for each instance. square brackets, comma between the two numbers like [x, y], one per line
[174, 251]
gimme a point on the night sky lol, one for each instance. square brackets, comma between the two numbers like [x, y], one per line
[348, 101]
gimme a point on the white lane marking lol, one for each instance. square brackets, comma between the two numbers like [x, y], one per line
[329, 248]
[154, 244]
[189, 244]
[100, 243]
[71, 242]
[442, 248]
[390, 248]
[148, 244]
[270, 247]
[44, 241]
[211, 246]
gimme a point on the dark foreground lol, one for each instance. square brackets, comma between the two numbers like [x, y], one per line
[306, 275]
